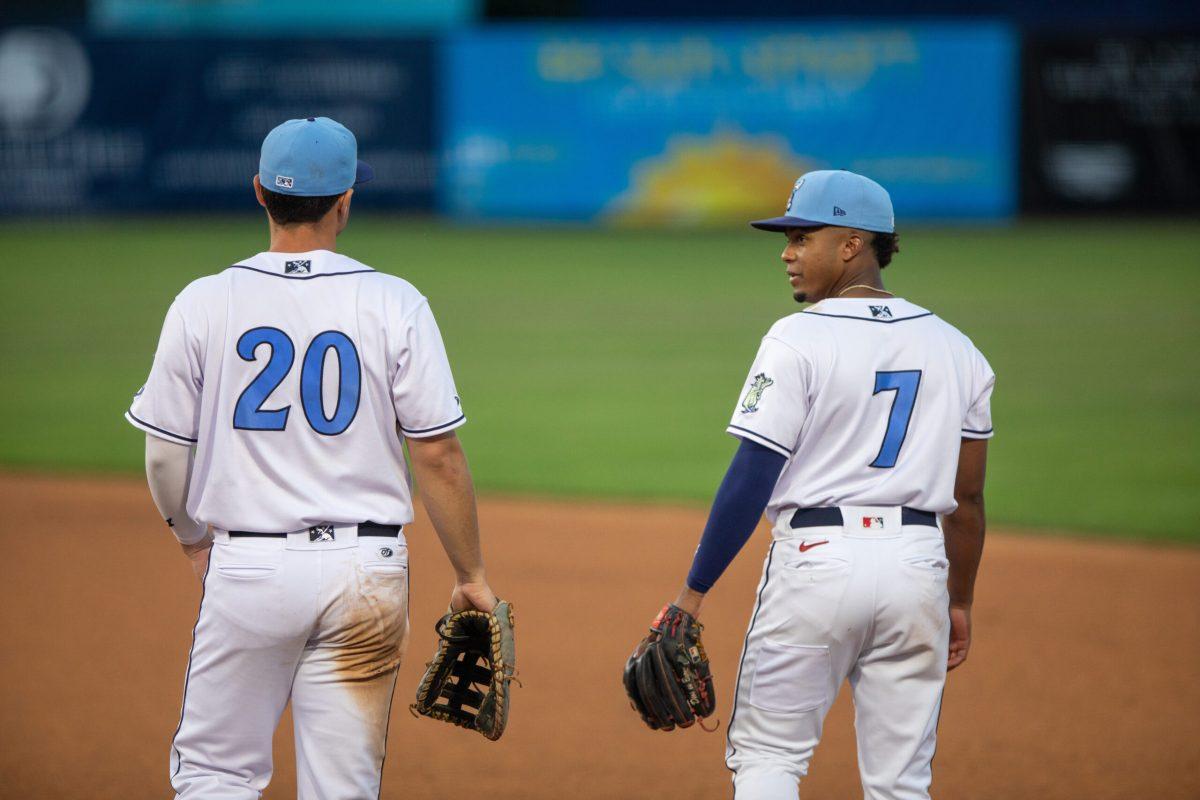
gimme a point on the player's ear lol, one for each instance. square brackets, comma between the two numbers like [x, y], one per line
[258, 192]
[853, 245]
[342, 208]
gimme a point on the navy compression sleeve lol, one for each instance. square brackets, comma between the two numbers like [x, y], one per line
[735, 511]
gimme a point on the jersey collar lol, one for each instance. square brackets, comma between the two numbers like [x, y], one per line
[302, 266]
[870, 309]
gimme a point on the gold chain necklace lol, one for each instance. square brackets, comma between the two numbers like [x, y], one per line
[864, 286]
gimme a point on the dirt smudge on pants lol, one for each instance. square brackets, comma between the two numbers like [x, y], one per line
[369, 636]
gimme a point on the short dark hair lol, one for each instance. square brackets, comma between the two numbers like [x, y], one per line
[290, 209]
[885, 246]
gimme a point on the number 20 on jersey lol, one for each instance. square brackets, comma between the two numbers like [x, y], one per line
[249, 413]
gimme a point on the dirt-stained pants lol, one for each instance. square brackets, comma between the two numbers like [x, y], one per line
[324, 623]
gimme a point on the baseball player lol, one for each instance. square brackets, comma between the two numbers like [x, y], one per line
[864, 425]
[280, 401]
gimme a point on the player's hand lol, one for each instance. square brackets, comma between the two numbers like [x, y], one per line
[472, 594]
[960, 635]
[198, 556]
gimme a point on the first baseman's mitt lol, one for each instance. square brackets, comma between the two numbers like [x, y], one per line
[667, 678]
[466, 683]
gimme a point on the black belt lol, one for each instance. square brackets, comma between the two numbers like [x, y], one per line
[364, 529]
[832, 516]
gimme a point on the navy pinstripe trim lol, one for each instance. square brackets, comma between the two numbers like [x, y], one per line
[145, 424]
[461, 417]
[300, 277]
[941, 705]
[745, 646]
[386, 727]
[188, 677]
[968, 430]
[866, 319]
[787, 451]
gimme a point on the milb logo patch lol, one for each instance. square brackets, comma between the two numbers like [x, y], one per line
[321, 533]
[881, 312]
[297, 267]
[283, 182]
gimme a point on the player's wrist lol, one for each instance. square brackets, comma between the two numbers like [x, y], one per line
[689, 600]
[192, 548]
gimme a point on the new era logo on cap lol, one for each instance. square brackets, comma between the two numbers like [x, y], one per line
[837, 212]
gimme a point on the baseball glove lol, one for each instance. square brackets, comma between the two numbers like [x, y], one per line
[466, 683]
[667, 678]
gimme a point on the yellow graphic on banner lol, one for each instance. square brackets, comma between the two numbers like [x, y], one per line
[725, 177]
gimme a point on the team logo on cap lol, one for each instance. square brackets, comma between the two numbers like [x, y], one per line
[283, 182]
[792, 196]
[297, 267]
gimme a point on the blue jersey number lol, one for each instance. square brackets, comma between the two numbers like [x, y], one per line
[249, 415]
[348, 380]
[904, 383]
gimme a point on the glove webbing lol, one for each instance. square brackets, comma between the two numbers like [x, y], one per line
[462, 691]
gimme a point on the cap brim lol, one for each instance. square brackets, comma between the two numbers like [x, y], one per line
[363, 173]
[783, 223]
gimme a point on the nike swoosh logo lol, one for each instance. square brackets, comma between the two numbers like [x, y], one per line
[805, 546]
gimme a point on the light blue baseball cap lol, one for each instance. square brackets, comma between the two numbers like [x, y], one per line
[313, 157]
[835, 197]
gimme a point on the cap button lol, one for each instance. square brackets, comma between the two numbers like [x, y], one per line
[312, 119]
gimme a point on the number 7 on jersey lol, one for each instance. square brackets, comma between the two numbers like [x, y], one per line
[905, 384]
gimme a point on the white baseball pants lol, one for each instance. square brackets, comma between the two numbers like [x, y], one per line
[865, 601]
[321, 623]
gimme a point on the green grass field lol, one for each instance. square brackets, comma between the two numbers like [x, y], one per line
[604, 364]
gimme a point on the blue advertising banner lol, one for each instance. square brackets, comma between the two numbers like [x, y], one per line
[103, 124]
[707, 124]
[276, 17]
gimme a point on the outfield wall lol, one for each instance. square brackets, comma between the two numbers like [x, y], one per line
[616, 124]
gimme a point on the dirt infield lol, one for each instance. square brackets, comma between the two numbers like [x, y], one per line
[1081, 684]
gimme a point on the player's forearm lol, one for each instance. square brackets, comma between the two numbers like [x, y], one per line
[168, 472]
[446, 488]
[964, 531]
[736, 510]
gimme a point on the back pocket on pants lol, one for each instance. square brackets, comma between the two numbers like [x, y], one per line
[790, 678]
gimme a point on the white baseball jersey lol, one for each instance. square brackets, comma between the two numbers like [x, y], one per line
[291, 372]
[868, 399]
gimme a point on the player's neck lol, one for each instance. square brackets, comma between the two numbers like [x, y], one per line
[302, 238]
[862, 283]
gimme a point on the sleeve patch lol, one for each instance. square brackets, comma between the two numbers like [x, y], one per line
[755, 392]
